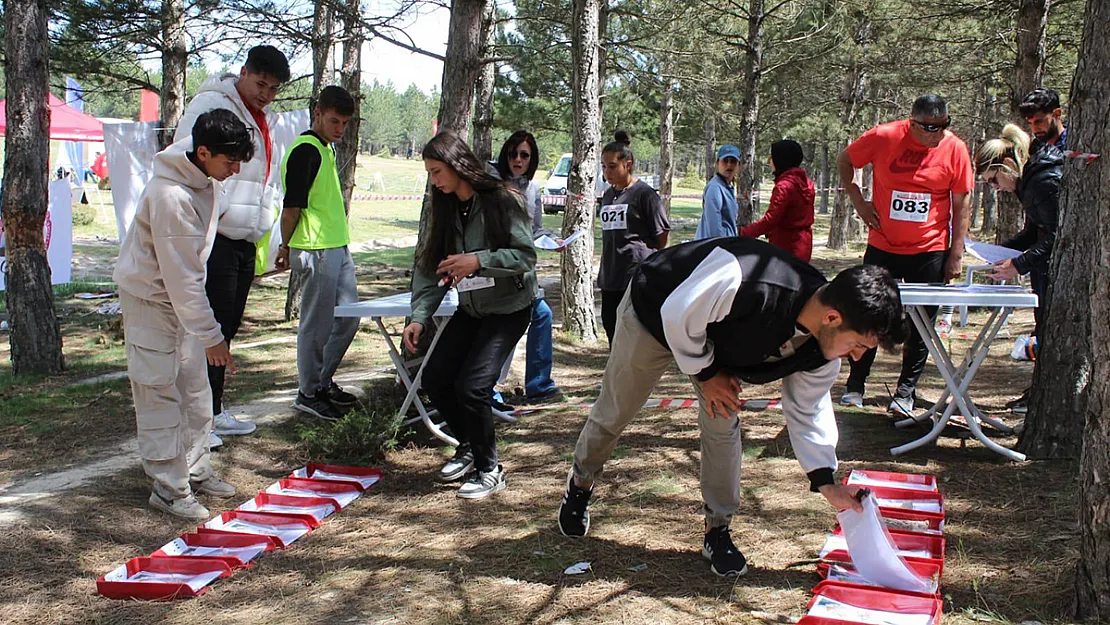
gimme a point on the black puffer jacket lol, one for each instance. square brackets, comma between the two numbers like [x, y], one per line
[1039, 191]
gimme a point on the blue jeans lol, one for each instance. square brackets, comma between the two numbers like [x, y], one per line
[538, 352]
[538, 355]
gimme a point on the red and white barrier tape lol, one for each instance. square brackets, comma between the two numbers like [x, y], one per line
[375, 197]
[750, 404]
[1081, 155]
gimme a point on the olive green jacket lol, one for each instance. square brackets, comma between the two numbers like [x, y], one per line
[513, 268]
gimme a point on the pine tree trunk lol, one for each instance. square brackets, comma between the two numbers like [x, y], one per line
[460, 75]
[36, 342]
[346, 155]
[483, 97]
[749, 114]
[321, 49]
[175, 57]
[1088, 114]
[1058, 404]
[990, 210]
[578, 285]
[826, 177]
[710, 147]
[666, 146]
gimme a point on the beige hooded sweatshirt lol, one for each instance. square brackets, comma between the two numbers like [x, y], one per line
[164, 254]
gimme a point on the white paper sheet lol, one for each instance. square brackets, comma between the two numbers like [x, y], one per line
[287, 533]
[873, 552]
[921, 505]
[843, 573]
[988, 252]
[196, 581]
[862, 479]
[831, 608]
[344, 499]
[179, 547]
[837, 542]
[318, 512]
[366, 481]
[545, 242]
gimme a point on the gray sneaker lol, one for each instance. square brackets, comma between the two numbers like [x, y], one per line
[901, 406]
[224, 424]
[852, 398]
[458, 466]
[215, 487]
[186, 508]
[482, 484]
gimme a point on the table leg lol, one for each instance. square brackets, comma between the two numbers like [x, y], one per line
[413, 384]
[958, 390]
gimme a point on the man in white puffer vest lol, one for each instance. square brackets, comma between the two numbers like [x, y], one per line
[247, 207]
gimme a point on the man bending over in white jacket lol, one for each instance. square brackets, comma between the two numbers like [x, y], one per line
[169, 326]
[731, 310]
[248, 206]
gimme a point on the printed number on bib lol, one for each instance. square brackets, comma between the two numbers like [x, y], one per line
[614, 217]
[905, 206]
[474, 284]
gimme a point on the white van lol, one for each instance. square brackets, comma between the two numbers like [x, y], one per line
[557, 182]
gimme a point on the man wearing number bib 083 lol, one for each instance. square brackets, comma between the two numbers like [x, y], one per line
[918, 218]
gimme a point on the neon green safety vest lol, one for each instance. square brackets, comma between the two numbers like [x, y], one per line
[323, 223]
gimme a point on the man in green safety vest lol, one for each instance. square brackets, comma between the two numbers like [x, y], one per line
[314, 242]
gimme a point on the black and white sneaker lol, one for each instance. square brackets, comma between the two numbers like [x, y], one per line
[318, 406]
[719, 549]
[574, 512]
[482, 484]
[459, 465]
[339, 397]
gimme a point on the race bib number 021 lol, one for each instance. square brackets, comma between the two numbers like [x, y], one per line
[905, 206]
[614, 217]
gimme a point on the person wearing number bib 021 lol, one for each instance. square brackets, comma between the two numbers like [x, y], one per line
[633, 226]
[918, 218]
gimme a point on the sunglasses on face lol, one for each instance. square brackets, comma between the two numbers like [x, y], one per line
[521, 154]
[934, 127]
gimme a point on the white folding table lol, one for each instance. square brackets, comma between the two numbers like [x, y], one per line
[400, 305]
[1002, 300]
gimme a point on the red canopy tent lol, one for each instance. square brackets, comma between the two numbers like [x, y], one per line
[66, 122]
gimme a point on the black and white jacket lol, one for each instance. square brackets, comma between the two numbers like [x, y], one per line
[730, 303]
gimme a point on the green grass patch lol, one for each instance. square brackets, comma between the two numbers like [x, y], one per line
[362, 437]
[395, 257]
[661, 486]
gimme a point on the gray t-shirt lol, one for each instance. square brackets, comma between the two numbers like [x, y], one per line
[631, 221]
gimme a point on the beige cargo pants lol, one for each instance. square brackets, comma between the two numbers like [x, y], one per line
[173, 401]
[636, 362]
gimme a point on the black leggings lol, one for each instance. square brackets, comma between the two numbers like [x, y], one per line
[924, 267]
[610, 300]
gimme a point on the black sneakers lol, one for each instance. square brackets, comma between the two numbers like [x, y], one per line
[459, 465]
[719, 549]
[339, 397]
[483, 483]
[318, 406]
[574, 513]
[554, 396]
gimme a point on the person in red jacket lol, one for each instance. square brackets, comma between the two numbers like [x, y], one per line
[788, 222]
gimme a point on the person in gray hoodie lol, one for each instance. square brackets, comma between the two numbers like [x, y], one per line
[170, 329]
[248, 205]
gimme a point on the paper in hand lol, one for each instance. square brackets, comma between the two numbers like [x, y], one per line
[545, 242]
[989, 253]
[872, 550]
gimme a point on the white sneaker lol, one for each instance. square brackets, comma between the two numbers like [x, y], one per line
[852, 398]
[186, 508]
[901, 406]
[214, 441]
[224, 424]
[214, 486]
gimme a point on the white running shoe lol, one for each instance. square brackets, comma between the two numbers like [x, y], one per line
[214, 441]
[224, 424]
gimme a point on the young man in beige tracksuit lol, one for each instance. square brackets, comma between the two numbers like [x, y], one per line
[170, 329]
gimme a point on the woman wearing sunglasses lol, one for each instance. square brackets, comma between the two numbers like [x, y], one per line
[1006, 164]
[477, 239]
[516, 164]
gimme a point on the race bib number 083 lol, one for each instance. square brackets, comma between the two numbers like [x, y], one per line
[905, 206]
[614, 217]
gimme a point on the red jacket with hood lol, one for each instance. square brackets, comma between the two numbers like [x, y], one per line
[788, 222]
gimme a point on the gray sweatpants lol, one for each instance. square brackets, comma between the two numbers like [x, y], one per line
[636, 362]
[173, 401]
[323, 338]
